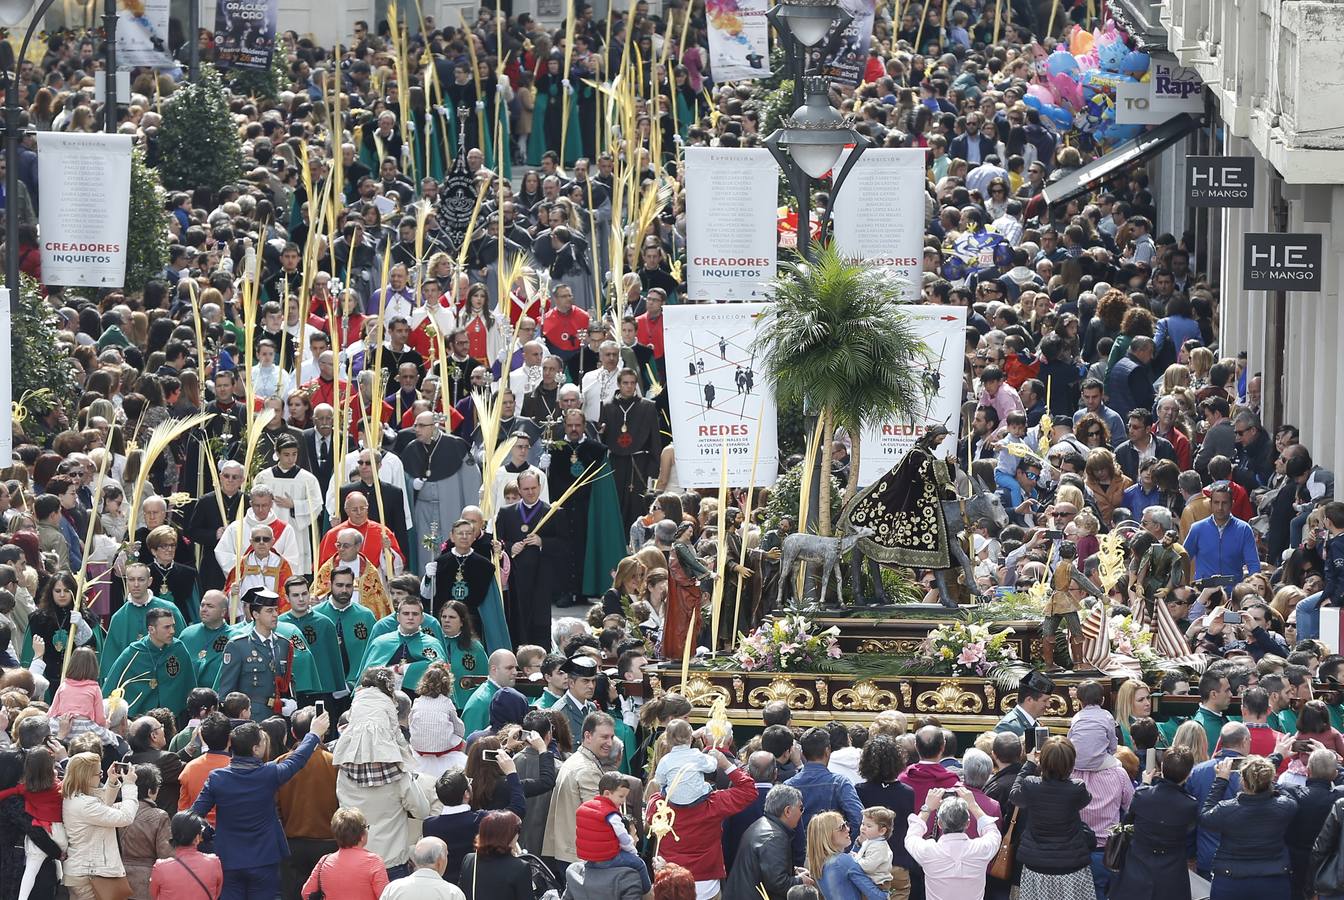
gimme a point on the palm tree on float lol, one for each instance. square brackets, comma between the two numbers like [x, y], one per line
[836, 340]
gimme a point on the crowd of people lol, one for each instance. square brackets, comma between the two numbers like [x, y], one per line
[317, 657]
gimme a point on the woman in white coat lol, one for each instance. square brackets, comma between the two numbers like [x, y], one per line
[92, 816]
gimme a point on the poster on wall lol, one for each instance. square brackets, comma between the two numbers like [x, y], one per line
[731, 206]
[245, 33]
[719, 402]
[943, 329]
[85, 183]
[739, 39]
[879, 213]
[142, 35]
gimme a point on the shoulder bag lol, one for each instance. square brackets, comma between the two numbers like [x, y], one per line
[1117, 844]
[1001, 866]
[319, 894]
[109, 888]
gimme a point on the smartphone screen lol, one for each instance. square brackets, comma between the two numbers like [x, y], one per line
[1152, 759]
[1042, 735]
[321, 706]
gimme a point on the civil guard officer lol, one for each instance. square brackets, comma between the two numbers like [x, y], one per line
[259, 662]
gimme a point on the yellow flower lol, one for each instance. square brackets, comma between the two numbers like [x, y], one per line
[947, 653]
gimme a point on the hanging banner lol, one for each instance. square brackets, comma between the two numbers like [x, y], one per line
[1282, 262]
[1220, 181]
[847, 62]
[879, 213]
[716, 390]
[731, 199]
[245, 33]
[142, 35]
[943, 329]
[739, 40]
[85, 182]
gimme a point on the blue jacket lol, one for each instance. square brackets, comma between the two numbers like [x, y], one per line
[1225, 553]
[248, 833]
[823, 790]
[1334, 571]
[1197, 786]
[1252, 828]
[844, 879]
[1178, 330]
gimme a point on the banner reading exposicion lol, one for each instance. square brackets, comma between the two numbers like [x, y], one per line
[85, 184]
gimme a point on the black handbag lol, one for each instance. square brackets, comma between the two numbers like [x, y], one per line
[1117, 845]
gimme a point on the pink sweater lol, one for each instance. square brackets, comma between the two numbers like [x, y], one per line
[349, 874]
[81, 697]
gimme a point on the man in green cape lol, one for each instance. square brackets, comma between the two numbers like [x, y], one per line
[205, 641]
[353, 621]
[503, 673]
[154, 671]
[409, 650]
[318, 635]
[129, 623]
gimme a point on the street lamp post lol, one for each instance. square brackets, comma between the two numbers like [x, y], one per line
[803, 24]
[12, 12]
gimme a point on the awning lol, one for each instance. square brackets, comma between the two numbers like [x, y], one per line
[1130, 153]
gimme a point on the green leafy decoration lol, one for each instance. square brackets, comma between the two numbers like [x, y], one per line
[199, 145]
[147, 231]
[44, 377]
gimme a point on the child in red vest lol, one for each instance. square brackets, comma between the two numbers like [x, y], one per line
[603, 841]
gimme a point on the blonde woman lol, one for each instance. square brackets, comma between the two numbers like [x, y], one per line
[1106, 482]
[836, 872]
[92, 816]
[1191, 735]
[1201, 361]
[1133, 701]
[1176, 376]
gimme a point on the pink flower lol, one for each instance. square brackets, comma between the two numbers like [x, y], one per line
[747, 663]
[833, 651]
[971, 654]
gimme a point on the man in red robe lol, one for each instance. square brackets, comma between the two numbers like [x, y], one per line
[379, 541]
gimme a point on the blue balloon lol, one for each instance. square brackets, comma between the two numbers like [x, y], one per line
[1057, 114]
[1061, 62]
[1135, 63]
[1033, 102]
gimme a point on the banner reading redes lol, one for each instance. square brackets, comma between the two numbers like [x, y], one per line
[142, 35]
[879, 212]
[943, 329]
[717, 391]
[85, 183]
[739, 39]
[732, 197]
[245, 33]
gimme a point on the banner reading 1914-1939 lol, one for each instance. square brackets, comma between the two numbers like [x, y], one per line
[85, 183]
[879, 213]
[739, 39]
[943, 330]
[732, 197]
[245, 33]
[719, 402]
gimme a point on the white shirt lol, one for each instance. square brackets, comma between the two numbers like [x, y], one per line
[955, 864]
[422, 884]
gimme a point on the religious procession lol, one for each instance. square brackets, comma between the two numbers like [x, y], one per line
[665, 449]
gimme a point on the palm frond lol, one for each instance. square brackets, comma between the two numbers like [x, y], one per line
[163, 434]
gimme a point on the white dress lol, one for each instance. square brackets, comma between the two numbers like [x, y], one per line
[437, 736]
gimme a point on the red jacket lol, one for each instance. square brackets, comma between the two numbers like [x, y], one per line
[698, 843]
[594, 838]
[1181, 444]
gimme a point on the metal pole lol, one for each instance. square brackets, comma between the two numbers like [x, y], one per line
[110, 76]
[12, 187]
[194, 40]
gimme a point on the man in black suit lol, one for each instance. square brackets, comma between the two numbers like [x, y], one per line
[391, 511]
[318, 444]
[207, 525]
[1007, 754]
[535, 552]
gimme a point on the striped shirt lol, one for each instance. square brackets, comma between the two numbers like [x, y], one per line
[1111, 792]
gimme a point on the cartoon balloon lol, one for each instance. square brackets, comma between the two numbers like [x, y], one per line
[1041, 93]
[1060, 62]
[1135, 64]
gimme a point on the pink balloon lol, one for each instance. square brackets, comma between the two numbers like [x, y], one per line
[1041, 93]
[1067, 92]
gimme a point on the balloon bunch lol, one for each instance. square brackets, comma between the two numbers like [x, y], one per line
[1077, 88]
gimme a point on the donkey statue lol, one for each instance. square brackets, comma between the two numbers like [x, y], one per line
[811, 548]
